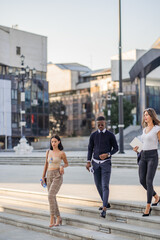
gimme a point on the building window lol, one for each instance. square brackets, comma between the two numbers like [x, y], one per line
[14, 120]
[18, 50]
[14, 94]
[29, 118]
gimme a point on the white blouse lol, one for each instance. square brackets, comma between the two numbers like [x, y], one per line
[150, 139]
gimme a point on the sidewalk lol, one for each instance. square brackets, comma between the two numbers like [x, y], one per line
[78, 182]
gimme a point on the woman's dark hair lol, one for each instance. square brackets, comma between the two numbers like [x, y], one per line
[60, 146]
[153, 115]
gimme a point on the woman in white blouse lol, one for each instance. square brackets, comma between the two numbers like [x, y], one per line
[149, 156]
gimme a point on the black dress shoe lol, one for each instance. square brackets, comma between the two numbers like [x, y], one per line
[103, 214]
[155, 204]
[108, 206]
[147, 214]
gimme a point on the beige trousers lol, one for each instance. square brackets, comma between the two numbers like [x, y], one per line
[54, 182]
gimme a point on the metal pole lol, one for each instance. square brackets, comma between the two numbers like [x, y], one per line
[120, 94]
[142, 95]
[109, 110]
[22, 73]
[5, 119]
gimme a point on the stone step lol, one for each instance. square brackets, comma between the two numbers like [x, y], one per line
[117, 162]
[128, 215]
[11, 232]
[43, 197]
[65, 231]
[90, 224]
[70, 159]
[132, 161]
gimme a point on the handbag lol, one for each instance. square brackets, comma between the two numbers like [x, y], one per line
[138, 157]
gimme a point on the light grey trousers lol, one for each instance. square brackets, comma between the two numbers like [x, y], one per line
[54, 182]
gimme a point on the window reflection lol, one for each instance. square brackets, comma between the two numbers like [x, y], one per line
[28, 84]
[34, 120]
[40, 86]
[34, 85]
[40, 121]
[28, 121]
[40, 99]
[153, 97]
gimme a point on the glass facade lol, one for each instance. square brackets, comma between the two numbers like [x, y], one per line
[131, 93]
[36, 107]
[153, 97]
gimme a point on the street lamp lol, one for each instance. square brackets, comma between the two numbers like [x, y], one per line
[22, 76]
[120, 94]
[109, 109]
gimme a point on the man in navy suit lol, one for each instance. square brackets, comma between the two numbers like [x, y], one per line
[102, 145]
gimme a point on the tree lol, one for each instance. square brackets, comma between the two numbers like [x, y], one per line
[127, 111]
[59, 117]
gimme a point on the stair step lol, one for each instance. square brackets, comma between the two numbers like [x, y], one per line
[62, 199]
[65, 231]
[11, 232]
[81, 222]
[113, 215]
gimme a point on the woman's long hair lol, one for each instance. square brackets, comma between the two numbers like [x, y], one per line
[60, 146]
[153, 115]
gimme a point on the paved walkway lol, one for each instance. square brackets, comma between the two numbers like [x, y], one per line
[78, 182]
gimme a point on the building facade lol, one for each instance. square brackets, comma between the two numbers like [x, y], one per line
[13, 44]
[86, 93]
[131, 89]
[63, 86]
[83, 92]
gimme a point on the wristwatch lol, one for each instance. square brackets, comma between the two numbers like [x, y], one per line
[109, 155]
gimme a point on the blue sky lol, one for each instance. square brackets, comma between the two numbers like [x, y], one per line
[86, 31]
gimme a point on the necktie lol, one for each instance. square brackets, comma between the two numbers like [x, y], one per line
[100, 139]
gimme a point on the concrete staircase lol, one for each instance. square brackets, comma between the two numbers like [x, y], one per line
[118, 160]
[80, 217]
[129, 134]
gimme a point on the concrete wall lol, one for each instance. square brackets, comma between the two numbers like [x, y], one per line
[74, 79]
[128, 60]
[69, 144]
[33, 47]
[59, 80]
[5, 107]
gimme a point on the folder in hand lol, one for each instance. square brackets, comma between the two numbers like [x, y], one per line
[136, 143]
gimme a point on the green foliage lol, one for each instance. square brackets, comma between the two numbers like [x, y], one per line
[127, 109]
[58, 111]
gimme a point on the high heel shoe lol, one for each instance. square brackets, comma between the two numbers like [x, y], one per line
[58, 224]
[155, 204]
[147, 214]
[53, 224]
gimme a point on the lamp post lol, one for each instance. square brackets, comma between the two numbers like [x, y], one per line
[120, 94]
[109, 110]
[22, 76]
